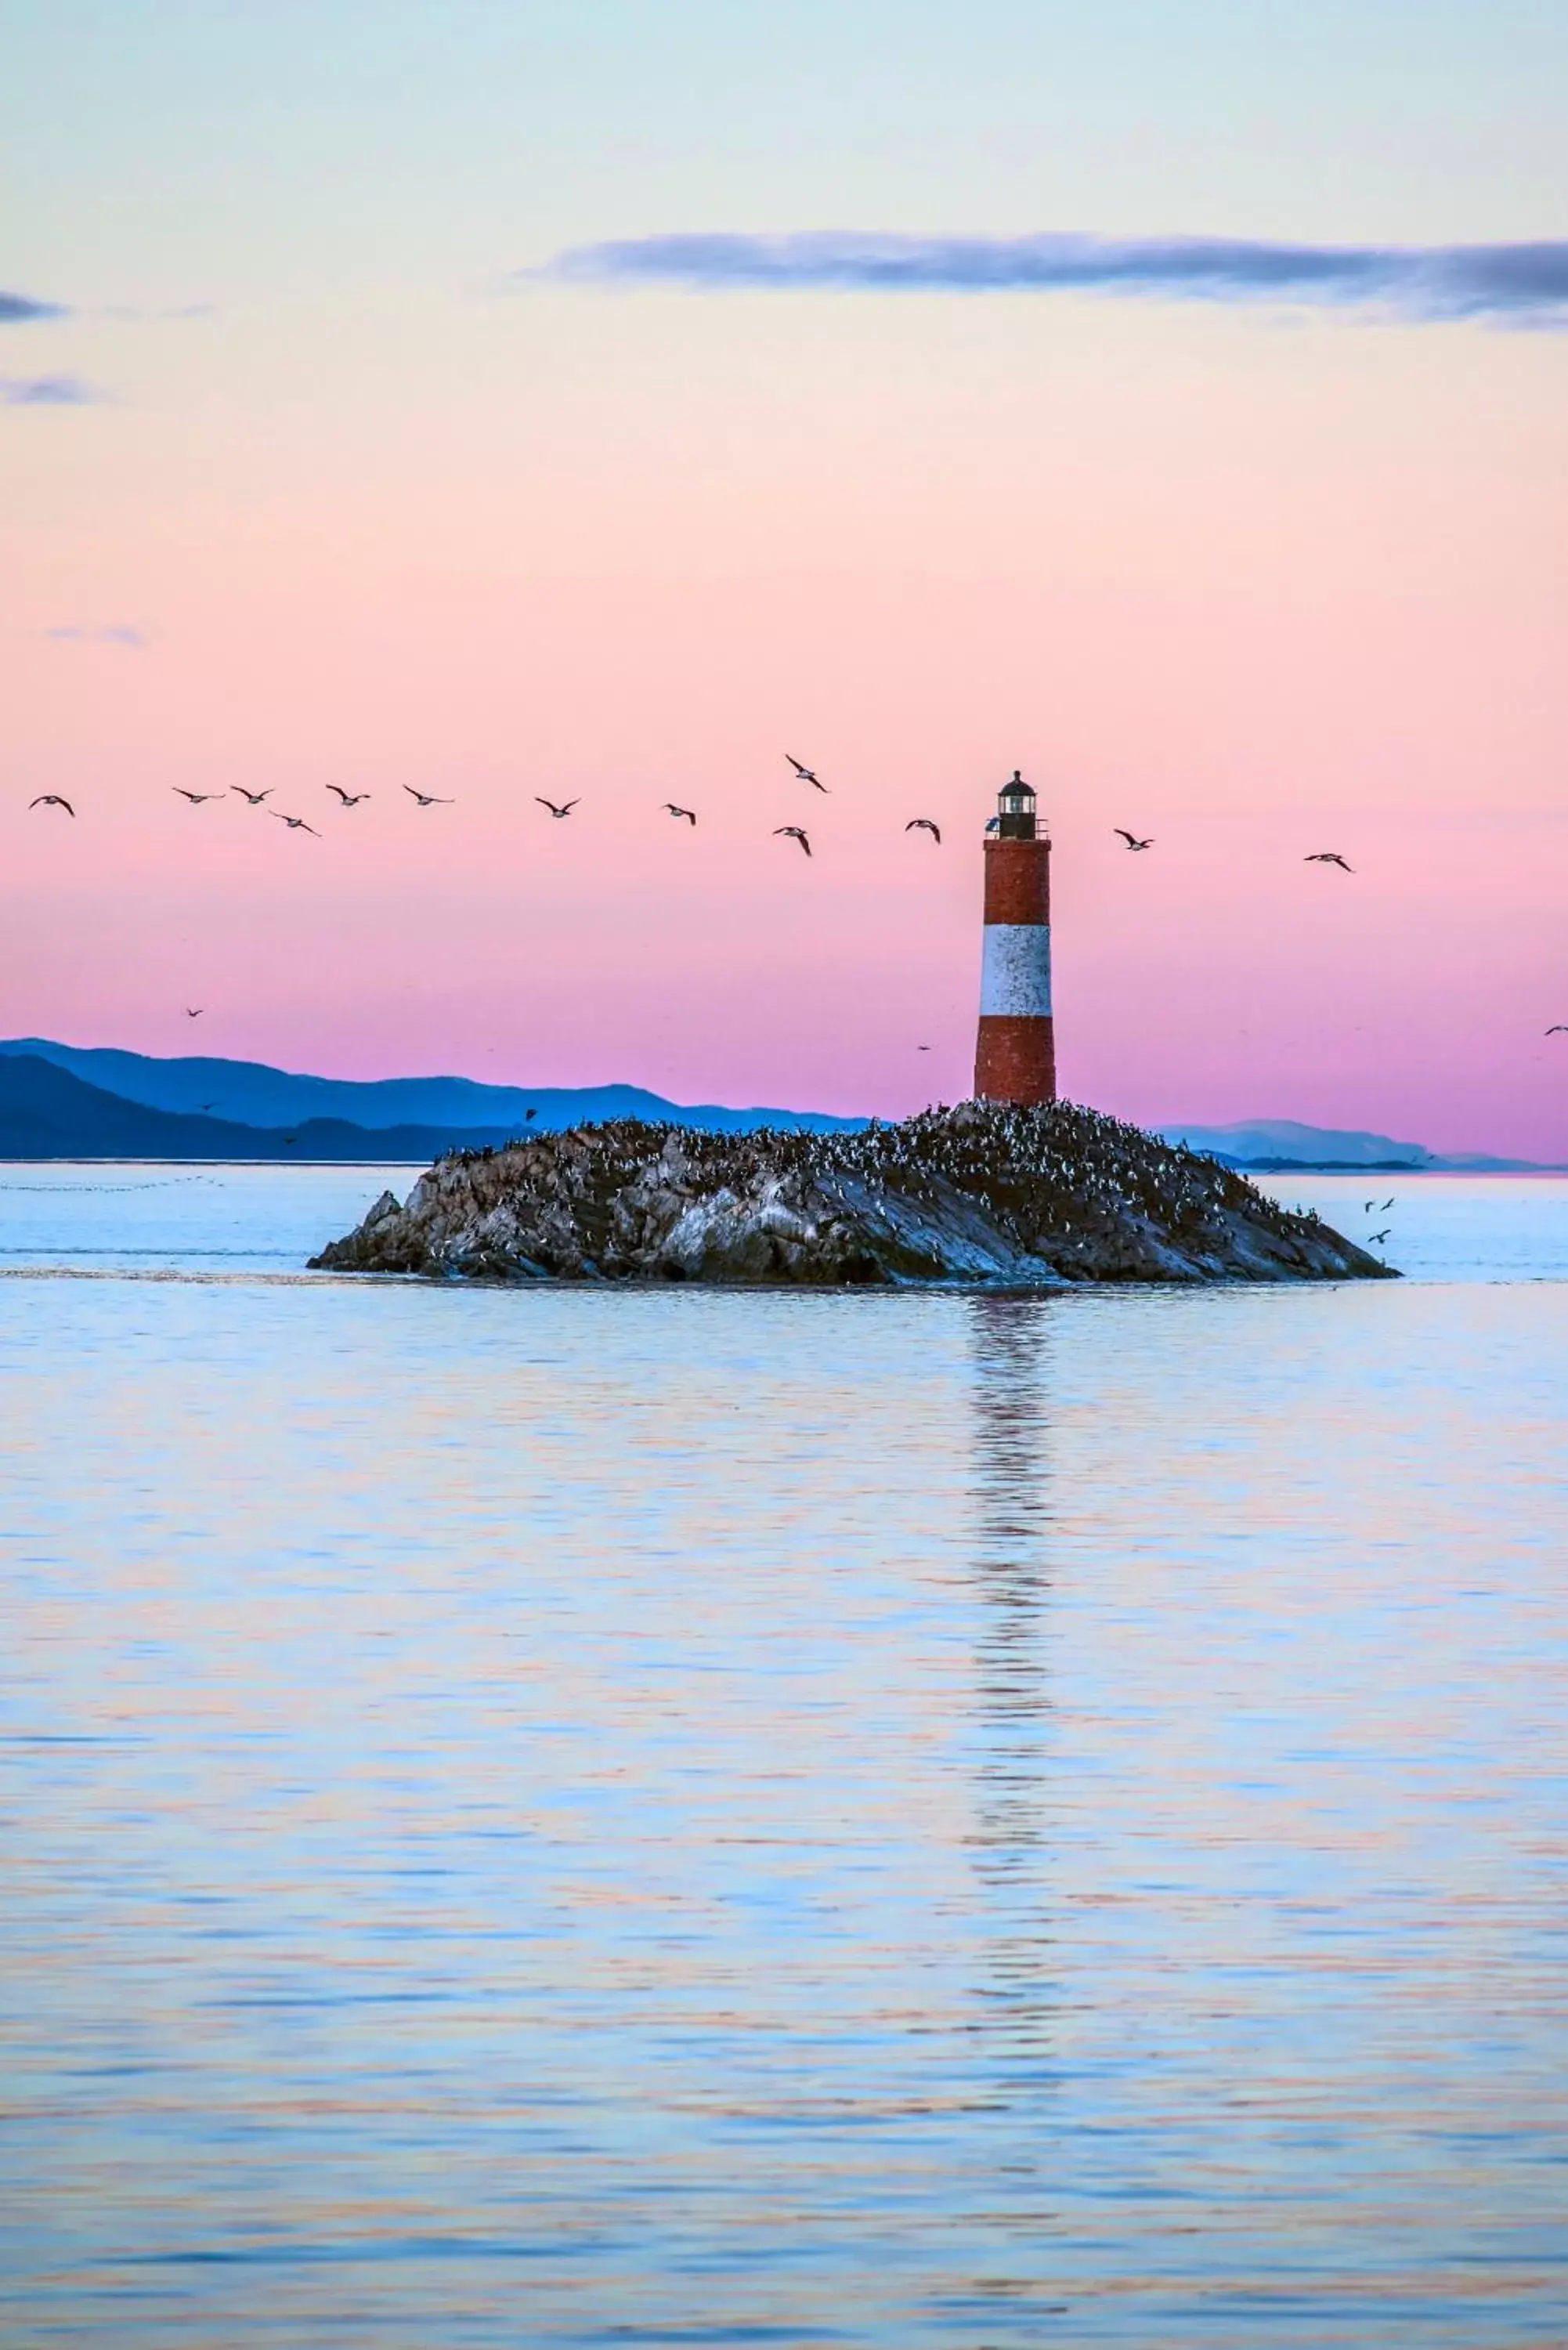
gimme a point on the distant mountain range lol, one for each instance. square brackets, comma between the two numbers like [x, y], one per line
[1280, 1142]
[45, 1113]
[70, 1101]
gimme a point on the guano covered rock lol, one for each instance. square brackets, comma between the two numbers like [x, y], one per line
[981, 1195]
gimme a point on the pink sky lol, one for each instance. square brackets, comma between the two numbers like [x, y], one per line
[1256, 586]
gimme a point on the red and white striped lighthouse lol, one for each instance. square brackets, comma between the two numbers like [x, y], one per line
[1015, 1054]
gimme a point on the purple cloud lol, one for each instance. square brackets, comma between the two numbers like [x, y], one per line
[1525, 284]
[48, 391]
[16, 307]
[117, 632]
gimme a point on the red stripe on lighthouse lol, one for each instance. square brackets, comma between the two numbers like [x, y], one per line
[1015, 1061]
[1017, 881]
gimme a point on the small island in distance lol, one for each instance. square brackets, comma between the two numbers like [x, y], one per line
[988, 1194]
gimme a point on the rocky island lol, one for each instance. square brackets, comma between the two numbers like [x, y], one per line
[981, 1195]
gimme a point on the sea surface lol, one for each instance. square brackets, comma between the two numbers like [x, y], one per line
[563, 1817]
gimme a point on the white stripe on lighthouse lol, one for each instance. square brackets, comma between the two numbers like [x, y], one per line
[1015, 974]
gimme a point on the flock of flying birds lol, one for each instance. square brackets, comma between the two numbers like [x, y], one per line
[561, 808]
[558, 809]
[259, 799]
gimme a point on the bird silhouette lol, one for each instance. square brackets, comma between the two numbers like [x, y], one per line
[195, 798]
[352, 799]
[195, 1015]
[52, 799]
[255, 798]
[1131, 838]
[922, 1049]
[426, 799]
[924, 824]
[1328, 857]
[556, 811]
[792, 832]
[295, 823]
[806, 774]
[672, 809]
[1559, 1028]
[1378, 1238]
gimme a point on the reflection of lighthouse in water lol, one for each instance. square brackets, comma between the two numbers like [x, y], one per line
[1017, 1828]
[1015, 1054]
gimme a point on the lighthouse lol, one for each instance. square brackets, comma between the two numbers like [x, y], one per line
[1015, 1053]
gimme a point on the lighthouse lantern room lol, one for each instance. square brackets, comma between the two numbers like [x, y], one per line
[1015, 818]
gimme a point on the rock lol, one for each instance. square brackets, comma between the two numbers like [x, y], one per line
[979, 1194]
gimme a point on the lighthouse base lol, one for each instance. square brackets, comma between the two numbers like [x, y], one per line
[1015, 1060]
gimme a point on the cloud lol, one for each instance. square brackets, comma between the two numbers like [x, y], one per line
[1525, 284]
[16, 307]
[117, 632]
[176, 314]
[48, 391]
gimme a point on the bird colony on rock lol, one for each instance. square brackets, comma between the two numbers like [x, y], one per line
[981, 1195]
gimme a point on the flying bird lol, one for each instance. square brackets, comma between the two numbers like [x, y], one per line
[52, 799]
[922, 1049]
[792, 832]
[1559, 1029]
[255, 798]
[806, 774]
[1328, 857]
[352, 799]
[196, 1015]
[1131, 838]
[670, 810]
[295, 823]
[426, 799]
[1378, 1238]
[567, 809]
[195, 798]
[924, 824]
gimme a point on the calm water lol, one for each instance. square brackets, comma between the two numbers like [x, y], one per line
[565, 1819]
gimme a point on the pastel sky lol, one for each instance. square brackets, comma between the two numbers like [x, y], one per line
[319, 464]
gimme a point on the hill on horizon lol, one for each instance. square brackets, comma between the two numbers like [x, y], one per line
[1251, 1140]
[1265, 1142]
[48, 1113]
[251, 1092]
